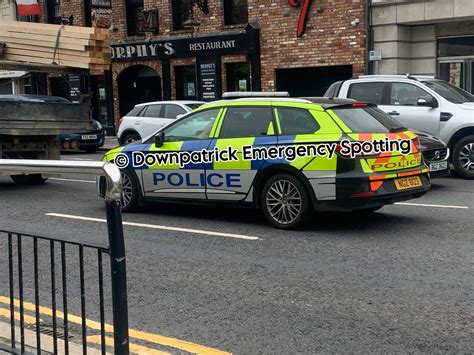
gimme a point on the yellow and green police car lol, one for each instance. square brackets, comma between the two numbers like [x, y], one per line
[291, 157]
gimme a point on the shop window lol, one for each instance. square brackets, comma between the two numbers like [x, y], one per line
[135, 18]
[238, 77]
[186, 82]
[181, 10]
[235, 12]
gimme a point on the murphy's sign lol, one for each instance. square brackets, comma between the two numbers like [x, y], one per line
[232, 43]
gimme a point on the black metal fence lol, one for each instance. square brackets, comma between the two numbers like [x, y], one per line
[46, 271]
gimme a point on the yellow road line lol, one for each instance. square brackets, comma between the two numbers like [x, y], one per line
[137, 334]
[6, 313]
[95, 339]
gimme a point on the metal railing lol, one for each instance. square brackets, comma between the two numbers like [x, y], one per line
[16, 241]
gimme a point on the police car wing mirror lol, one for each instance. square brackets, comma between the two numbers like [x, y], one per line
[160, 139]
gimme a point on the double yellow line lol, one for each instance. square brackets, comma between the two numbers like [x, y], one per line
[95, 339]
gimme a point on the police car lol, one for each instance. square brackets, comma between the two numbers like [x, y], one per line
[291, 157]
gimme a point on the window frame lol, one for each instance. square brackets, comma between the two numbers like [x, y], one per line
[143, 112]
[177, 24]
[308, 112]
[164, 111]
[389, 93]
[130, 13]
[224, 114]
[190, 114]
[228, 11]
[385, 92]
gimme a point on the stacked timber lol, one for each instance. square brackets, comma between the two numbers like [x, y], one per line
[56, 45]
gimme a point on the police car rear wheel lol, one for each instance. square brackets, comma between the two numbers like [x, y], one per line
[285, 202]
[129, 199]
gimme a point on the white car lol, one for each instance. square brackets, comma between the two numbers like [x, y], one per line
[422, 103]
[147, 118]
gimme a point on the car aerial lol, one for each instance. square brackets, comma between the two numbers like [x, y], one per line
[275, 153]
[147, 118]
[89, 141]
[422, 103]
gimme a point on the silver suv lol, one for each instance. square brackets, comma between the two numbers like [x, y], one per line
[421, 103]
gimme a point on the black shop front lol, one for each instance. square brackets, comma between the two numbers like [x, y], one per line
[234, 56]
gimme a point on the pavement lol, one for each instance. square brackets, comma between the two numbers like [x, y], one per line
[222, 280]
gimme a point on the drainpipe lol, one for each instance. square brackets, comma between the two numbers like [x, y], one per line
[370, 36]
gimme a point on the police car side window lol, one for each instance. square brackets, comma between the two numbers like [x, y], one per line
[367, 92]
[246, 122]
[296, 121]
[193, 127]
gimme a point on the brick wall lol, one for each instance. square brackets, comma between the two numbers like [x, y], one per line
[330, 39]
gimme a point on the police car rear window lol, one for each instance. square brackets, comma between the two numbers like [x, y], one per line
[367, 120]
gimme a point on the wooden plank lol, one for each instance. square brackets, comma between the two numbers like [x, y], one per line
[48, 51]
[36, 26]
[52, 39]
[50, 44]
[65, 63]
[29, 55]
[46, 32]
[43, 68]
[69, 61]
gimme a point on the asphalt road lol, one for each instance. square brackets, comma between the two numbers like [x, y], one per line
[398, 281]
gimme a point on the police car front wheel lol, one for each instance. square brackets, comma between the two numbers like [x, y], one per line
[129, 199]
[285, 202]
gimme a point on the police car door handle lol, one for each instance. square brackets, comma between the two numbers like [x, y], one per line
[394, 113]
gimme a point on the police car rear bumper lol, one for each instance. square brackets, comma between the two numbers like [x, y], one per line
[354, 194]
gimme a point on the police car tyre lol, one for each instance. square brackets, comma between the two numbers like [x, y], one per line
[33, 179]
[130, 138]
[463, 157]
[285, 202]
[129, 199]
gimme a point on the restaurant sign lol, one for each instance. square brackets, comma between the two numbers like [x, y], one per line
[183, 47]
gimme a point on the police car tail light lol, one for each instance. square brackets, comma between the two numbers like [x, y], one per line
[416, 143]
[360, 104]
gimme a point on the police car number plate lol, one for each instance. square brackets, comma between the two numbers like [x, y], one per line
[439, 166]
[89, 137]
[408, 183]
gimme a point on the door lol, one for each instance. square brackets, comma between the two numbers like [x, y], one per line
[402, 104]
[241, 127]
[169, 179]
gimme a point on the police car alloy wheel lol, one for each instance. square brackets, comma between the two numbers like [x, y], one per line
[285, 202]
[463, 157]
[129, 199]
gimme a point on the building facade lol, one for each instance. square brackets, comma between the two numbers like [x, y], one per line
[432, 37]
[177, 50]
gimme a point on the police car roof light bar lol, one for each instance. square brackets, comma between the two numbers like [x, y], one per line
[245, 94]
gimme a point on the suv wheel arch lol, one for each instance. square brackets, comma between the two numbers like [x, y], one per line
[128, 132]
[463, 132]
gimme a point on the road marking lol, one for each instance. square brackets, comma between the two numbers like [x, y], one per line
[74, 180]
[95, 339]
[26, 318]
[136, 334]
[155, 226]
[429, 205]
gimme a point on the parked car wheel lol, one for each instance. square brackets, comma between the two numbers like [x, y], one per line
[286, 203]
[130, 194]
[33, 179]
[463, 157]
[130, 138]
